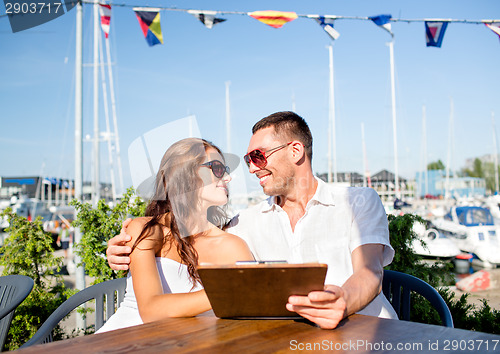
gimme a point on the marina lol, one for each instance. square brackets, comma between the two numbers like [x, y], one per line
[105, 104]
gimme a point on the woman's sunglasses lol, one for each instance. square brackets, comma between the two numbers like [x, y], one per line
[259, 157]
[217, 167]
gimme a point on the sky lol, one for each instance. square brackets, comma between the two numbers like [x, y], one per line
[269, 70]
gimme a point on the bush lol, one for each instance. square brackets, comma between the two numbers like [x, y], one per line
[98, 226]
[28, 251]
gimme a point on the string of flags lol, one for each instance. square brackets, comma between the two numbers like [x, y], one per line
[149, 21]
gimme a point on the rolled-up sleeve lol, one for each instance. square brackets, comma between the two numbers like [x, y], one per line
[369, 222]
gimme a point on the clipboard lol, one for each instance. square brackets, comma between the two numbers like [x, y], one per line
[261, 290]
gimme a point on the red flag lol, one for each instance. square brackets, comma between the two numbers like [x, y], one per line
[105, 11]
[495, 27]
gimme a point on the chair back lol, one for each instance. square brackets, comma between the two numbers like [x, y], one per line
[397, 287]
[13, 290]
[108, 295]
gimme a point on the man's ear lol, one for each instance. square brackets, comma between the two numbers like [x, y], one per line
[298, 152]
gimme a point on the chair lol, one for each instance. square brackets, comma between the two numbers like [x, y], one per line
[97, 292]
[394, 282]
[13, 290]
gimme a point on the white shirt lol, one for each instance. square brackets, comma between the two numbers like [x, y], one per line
[336, 221]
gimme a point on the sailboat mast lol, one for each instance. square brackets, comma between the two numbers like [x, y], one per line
[228, 118]
[96, 189]
[108, 134]
[366, 176]
[450, 147]
[115, 120]
[424, 138]
[495, 155]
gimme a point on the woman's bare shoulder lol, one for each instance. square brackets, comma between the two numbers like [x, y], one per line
[233, 248]
[136, 227]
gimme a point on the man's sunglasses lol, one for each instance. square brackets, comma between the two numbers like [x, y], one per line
[217, 167]
[259, 157]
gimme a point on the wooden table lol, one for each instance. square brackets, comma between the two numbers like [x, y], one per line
[207, 333]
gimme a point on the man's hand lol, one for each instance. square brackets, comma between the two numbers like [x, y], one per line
[325, 308]
[117, 251]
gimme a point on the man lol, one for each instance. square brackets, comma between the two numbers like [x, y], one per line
[306, 220]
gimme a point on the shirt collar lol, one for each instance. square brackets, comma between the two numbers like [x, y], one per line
[323, 193]
[322, 196]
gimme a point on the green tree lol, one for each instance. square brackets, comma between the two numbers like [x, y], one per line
[484, 170]
[437, 165]
[98, 226]
[477, 169]
[28, 251]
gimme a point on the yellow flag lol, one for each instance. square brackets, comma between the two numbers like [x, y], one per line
[274, 19]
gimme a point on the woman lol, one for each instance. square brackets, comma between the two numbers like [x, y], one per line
[178, 232]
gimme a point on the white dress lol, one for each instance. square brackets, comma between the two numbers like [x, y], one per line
[174, 279]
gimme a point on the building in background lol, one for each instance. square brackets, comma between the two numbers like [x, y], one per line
[458, 186]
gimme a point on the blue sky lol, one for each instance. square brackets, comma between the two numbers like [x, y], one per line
[266, 67]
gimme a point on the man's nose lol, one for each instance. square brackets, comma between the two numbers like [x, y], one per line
[252, 168]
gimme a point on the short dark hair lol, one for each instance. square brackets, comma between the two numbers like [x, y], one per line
[288, 126]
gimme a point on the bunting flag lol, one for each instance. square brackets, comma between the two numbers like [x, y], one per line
[272, 18]
[383, 21]
[149, 19]
[434, 32]
[207, 17]
[495, 27]
[327, 25]
[105, 11]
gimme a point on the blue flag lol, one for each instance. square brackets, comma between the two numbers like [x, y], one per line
[434, 32]
[327, 25]
[383, 21]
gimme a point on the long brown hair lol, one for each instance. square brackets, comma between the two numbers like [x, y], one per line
[176, 190]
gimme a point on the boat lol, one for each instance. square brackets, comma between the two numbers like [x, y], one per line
[438, 246]
[473, 231]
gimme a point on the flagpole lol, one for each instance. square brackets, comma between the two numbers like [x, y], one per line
[394, 128]
[78, 183]
[332, 114]
[228, 118]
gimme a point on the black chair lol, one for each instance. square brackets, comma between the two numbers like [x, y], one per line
[397, 287]
[13, 290]
[102, 292]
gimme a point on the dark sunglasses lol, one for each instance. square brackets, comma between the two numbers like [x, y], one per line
[217, 167]
[259, 157]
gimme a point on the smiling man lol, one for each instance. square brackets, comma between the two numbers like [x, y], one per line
[306, 220]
